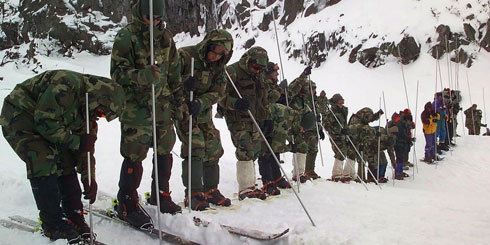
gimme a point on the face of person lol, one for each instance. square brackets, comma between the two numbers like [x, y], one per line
[274, 75]
[340, 103]
[216, 52]
[156, 19]
[256, 68]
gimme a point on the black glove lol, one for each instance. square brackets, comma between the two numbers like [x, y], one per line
[307, 70]
[484, 125]
[378, 134]
[268, 127]
[380, 112]
[283, 84]
[294, 148]
[242, 105]
[87, 142]
[434, 114]
[361, 147]
[89, 192]
[194, 107]
[282, 100]
[318, 118]
[322, 134]
[434, 120]
[190, 84]
[413, 139]
[344, 131]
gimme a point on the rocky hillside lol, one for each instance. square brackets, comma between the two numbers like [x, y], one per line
[49, 27]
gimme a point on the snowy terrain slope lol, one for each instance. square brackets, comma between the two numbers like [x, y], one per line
[443, 204]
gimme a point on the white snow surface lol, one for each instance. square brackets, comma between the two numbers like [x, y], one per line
[443, 204]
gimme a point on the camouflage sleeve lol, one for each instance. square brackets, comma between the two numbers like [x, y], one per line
[229, 98]
[295, 86]
[215, 92]
[123, 69]
[321, 104]
[174, 77]
[57, 100]
[274, 92]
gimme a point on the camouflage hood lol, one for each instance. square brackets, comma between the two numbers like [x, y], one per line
[106, 93]
[218, 37]
[256, 53]
[366, 115]
[137, 18]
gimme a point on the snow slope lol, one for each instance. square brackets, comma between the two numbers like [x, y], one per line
[443, 204]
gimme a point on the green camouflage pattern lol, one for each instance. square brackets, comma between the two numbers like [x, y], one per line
[286, 122]
[359, 130]
[333, 128]
[44, 116]
[137, 140]
[387, 143]
[473, 120]
[274, 90]
[244, 134]
[130, 67]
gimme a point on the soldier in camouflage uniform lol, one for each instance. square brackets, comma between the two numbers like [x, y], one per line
[300, 95]
[473, 120]
[338, 134]
[360, 134]
[44, 121]
[387, 142]
[209, 84]
[131, 68]
[248, 76]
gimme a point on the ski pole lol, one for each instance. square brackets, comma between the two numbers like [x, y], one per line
[314, 108]
[484, 107]
[387, 132]
[469, 92]
[403, 75]
[155, 149]
[415, 135]
[91, 221]
[189, 161]
[270, 148]
[379, 140]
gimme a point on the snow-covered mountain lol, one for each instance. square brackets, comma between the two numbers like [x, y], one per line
[443, 204]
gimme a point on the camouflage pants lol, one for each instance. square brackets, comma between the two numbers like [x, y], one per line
[246, 138]
[280, 115]
[206, 141]
[307, 142]
[474, 132]
[42, 158]
[137, 140]
[342, 146]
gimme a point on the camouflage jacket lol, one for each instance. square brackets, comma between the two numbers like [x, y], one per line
[56, 101]
[473, 116]
[130, 67]
[274, 91]
[300, 96]
[211, 77]
[386, 142]
[251, 86]
[330, 120]
[359, 129]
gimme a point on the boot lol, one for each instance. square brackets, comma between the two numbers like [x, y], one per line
[277, 177]
[399, 176]
[215, 197]
[271, 189]
[196, 183]
[443, 147]
[47, 197]
[165, 163]
[71, 203]
[252, 193]
[310, 166]
[301, 162]
[198, 201]
[265, 169]
[282, 183]
[128, 208]
[245, 173]
[211, 181]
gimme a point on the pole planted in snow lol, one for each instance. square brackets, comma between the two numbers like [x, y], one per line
[89, 168]
[189, 159]
[153, 115]
[469, 92]
[269, 147]
[379, 140]
[386, 118]
[314, 108]
[415, 160]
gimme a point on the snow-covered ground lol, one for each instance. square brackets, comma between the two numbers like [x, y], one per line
[443, 204]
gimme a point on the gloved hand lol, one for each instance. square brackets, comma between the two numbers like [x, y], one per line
[380, 112]
[268, 127]
[194, 107]
[89, 191]
[434, 114]
[434, 120]
[87, 143]
[190, 84]
[307, 71]
[282, 100]
[361, 148]
[283, 84]
[484, 125]
[323, 94]
[378, 134]
[242, 105]
[318, 118]
[413, 139]
[344, 131]
[294, 148]
[322, 134]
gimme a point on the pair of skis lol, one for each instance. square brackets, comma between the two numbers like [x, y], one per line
[29, 225]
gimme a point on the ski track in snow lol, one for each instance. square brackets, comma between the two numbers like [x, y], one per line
[445, 204]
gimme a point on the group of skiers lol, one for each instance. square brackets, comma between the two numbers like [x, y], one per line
[44, 120]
